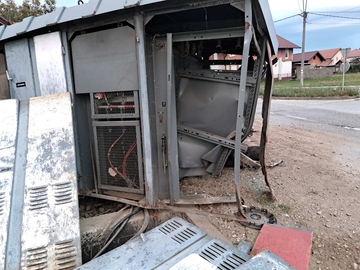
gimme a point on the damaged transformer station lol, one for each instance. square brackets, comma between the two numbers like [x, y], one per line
[120, 100]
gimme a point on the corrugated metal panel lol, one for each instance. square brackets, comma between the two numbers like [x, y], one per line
[50, 231]
[8, 131]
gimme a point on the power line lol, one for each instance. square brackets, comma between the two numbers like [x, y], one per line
[337, 12]
[334, 16]
[283, 19]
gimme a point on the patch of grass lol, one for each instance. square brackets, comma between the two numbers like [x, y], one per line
[325, 87]
[285, 208]
[264, 201]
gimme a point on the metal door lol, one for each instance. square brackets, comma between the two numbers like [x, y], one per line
[19, 68]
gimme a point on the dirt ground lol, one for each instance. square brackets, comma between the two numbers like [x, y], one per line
[317, 187]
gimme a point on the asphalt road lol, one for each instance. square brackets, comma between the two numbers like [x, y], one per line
[340, 118]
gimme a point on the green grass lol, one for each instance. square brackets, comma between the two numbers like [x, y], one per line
[326, 87]
[285, 208]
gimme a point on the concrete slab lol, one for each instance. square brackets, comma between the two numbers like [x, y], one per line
[293, 245]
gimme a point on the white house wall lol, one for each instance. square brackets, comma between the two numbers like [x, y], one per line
[282, 69]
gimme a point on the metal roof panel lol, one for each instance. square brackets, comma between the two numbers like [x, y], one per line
[110, 5]
[72, 13]
[90, 9]
[46, 20]
[17, 28]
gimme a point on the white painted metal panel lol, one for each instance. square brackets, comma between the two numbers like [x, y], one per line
[50, 65]
[8, 130]
[50, 232]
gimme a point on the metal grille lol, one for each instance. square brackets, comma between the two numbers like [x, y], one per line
[117, 151]
[115, 105]
[38, 197]
[222, 255]
[65, 255]
[36, 258]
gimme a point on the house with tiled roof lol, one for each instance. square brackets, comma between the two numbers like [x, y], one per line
[313, 58]
[354, 56]
[283, 68]
[332, 57]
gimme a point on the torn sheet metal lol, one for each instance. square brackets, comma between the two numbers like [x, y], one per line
[50, 231]
[8, 130]
[266, 261]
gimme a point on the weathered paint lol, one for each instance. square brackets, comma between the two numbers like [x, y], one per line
[8, 130]
[51, 74]
[50, 215]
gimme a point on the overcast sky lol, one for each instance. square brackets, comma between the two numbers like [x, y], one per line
[322, 32]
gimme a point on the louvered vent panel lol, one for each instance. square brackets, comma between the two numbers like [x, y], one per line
[224, 256]
[36, 258]
[63, 193]
[65, 255]
[38, 197]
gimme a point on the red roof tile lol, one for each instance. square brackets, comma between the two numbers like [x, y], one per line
[285, 44]
[307, 56]
[328, 54]
[354, 53]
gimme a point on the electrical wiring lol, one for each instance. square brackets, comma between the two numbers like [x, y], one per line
[123, 173]
[145, 224]
[116, 230]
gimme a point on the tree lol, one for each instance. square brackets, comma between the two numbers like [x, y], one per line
[12, 12]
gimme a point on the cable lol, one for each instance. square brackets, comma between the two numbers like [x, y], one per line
[122, 223]
[283, 19]
[334, 16]
[145, 224]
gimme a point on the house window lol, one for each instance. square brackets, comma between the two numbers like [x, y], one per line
[286, 53]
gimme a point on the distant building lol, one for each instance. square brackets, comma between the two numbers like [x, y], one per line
[283, 68]
[354, 56]
[333, 57]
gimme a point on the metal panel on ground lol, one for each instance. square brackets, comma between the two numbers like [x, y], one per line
[8, 130]
[161, 243]
[50, 231]
[18, 61]
[51, 73]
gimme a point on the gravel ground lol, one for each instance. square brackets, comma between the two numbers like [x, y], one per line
[316, 187]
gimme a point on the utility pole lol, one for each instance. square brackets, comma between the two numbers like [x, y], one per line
[304, 15]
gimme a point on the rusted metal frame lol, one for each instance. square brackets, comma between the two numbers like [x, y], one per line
[203, 200]
[239, 121]
[266, 114]
[179, 209]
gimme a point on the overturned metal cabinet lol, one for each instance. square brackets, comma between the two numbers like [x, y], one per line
[152, 100]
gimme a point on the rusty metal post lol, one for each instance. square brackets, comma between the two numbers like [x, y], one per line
[265, 115]
[240, 111]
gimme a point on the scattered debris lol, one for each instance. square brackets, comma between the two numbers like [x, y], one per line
[275, 164]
